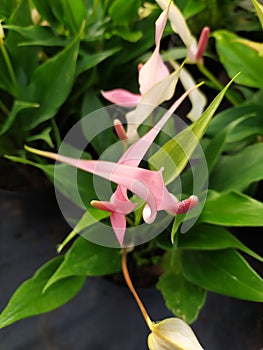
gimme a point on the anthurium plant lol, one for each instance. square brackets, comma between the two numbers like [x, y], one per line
[147, 186]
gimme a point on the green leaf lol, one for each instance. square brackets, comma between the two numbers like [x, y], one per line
[237, 57]
[45, 10]
[211, 237]
[88, 61]
[24, 60]
[175, 154]
[182, 297]
[87, 259]
[89, 218]
[70, 13]
[29, 299]
[215, 146]
[232, 209]
[123, 12]
[131, 36]
[17, 107]
[7, 7]
[237, 172]
[37, 35]
[96, 122]
[223, 271]
[251, 122]
[51, 84]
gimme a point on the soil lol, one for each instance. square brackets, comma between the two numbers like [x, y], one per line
[21, 177]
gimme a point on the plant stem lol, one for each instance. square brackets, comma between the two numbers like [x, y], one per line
[132, 289]
[9, 65]
[4, 109]
[232, 98]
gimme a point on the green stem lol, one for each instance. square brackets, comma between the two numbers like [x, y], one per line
[9, 66]
[230, 95]
[4, 109]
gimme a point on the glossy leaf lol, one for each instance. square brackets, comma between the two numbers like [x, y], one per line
[89, 218]
[87, 259]
[251, 122]
[37, 35]
[237, 172]
[123, 12]
[7, 7]
[232, 209]
[88, 61]
[223, 271]
[51, 84]
[45, 10]
[212, 237]
[182, 297]
[70, 13]
[237, 57]
[174, 155]
[29, 299]
[17, 107]
[24, 60]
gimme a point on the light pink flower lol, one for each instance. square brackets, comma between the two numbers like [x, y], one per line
[147, 184]
[153, 71]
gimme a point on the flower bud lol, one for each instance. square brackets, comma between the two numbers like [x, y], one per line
[172, 334]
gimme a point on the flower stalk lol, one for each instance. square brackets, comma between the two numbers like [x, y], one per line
[132, 289]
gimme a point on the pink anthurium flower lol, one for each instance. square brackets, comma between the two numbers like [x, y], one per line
[153, 71]
[156, 85]
[147, 184]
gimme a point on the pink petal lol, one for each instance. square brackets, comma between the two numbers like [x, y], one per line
[160, 25]
[137, 150]
[118, 223]
[121, 202]
[154, 69]
[122, 97]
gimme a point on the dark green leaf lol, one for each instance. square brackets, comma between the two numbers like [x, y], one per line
[29, 299]
[45, 10]
[70, 13]
[88, 61]
[123, 12]
[232, 209]
[211, 237]
[17, 107]
[7, 7]
[37, 35]
[251, 115]
[87, 259]
[182, 297]
[51, 84]
[237, 172]
[24, 60]
[223, 271]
